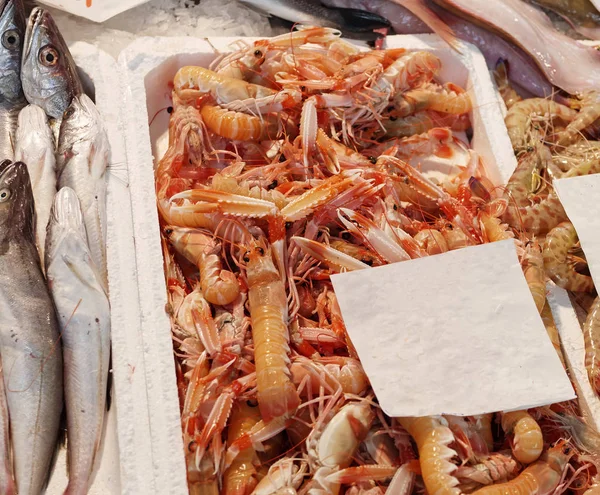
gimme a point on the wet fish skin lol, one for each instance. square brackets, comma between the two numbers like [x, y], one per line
[81, 162]
[84, 318]
[12, 99]
[35, 147]
[48, 73]
[29, 338]
[567, 63]
[314, 13]
[7, 480]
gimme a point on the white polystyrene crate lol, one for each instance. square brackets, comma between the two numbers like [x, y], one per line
[149, 65]
[124, 459]
[571, 336]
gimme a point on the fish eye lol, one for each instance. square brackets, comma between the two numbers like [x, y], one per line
[4, 195]
[566, 450]
[246, 258]
[257, 53]
[260, 251]
[11, 39]
[48, 56]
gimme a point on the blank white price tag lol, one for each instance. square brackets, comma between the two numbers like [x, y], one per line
[457, 333]
[94, 10]
[580, 197]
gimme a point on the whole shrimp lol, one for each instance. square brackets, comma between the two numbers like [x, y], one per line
[449, 98]
[218, 286]
[267, 300]
[527, 209]
[240, 478]
[540, 478]
[433, 438]
[591, 334]
[533, 269]
[191, 83]
[528, 121]
[330, 449]
[528, 441]
[560, 260]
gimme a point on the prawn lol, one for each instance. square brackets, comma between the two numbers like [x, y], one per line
[191, 83]
[528, 441]
[589, 113]
[449, 98]
[523, 120]
[277, 395]
[534, 213]
[591, 334]
[533, 269]
[218, 286]
[240, 478]
[561, 260]
[237, 125]
[540, 478]
[424, 121]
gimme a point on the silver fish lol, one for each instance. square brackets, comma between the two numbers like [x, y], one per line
[12, 31]
[567, 63]
[29, 338]
[313, 13]
[7, 480]
[35, 147]
[48, 73]
[84, 318]
[81, 162]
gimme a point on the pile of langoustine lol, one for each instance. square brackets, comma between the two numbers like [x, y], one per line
[292, 159]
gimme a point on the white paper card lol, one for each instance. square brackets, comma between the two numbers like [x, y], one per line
[580, 197]
[457, 333]
[94, 10]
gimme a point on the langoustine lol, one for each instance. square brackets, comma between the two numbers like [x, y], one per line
[312, 187]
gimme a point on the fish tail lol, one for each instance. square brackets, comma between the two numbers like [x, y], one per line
[429, 17]
[360, 20]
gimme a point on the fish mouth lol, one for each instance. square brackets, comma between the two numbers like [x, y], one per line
[35, 20]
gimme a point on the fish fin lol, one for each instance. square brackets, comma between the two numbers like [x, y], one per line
[85, 272]
[429, 17]
[254, 8]
[109, 382]
[360, 20]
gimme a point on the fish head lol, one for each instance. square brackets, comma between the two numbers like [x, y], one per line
[12, 33]
[16, 201]
[48, 72]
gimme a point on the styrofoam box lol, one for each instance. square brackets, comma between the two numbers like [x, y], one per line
[150, 441]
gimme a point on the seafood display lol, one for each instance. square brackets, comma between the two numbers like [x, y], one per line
[300, 156]
[54, 308]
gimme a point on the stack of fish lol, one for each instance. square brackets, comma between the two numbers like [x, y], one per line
[54, 309]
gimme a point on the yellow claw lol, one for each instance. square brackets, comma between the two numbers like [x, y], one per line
[211, 201]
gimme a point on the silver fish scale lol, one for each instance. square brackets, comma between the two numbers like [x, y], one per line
[32, 364]
[82, 159]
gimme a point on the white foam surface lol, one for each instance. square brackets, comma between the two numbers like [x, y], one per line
[432, 330]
